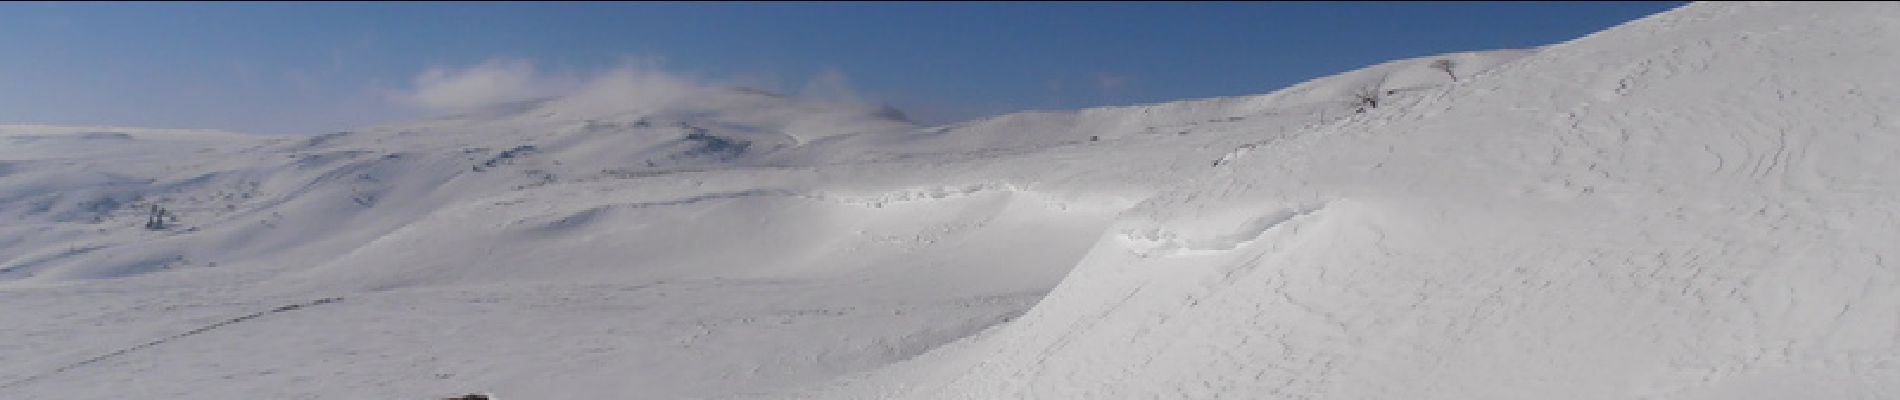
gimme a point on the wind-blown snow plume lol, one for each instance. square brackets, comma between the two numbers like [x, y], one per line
[489, 83]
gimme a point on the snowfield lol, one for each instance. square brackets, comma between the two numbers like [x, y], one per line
[1702, 204]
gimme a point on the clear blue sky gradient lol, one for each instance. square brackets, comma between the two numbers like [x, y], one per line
[316, 67]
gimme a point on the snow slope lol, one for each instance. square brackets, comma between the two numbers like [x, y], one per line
[1692, 205]
[1698, 205]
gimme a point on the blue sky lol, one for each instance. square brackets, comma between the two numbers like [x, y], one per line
[319, 67]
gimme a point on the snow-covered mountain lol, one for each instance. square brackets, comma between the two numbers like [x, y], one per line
[1695, 205]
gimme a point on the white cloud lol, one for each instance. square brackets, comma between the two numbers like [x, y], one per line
[489, 83]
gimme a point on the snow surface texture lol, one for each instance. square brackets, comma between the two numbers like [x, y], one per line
[1696, 205]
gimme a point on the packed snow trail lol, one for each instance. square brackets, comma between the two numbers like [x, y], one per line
[167, 339]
